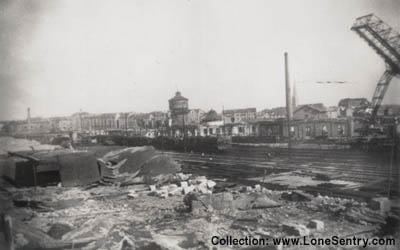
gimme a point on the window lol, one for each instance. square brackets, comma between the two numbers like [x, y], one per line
[341, 129]
[205, 131]
[218, 131]
[292, 131]
[232, 119]
[210, 131]
[241, 130]
[308, 131]
[324, 130]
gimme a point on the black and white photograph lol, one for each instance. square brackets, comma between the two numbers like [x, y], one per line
[199, 124]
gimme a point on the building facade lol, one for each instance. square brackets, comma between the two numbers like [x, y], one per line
[211, 124]
[310, 112]
[347, 107]
[239, 115]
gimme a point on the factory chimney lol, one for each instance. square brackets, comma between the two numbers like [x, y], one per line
[28, 118]
[289, 107]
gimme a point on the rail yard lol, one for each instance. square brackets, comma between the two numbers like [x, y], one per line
[302, 176]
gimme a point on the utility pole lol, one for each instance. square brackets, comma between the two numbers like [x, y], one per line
[184, 129]
[29, 121]
[126, 128]
[288, 104]
[223, 121]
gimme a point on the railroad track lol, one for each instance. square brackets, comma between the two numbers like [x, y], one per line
[359, 168]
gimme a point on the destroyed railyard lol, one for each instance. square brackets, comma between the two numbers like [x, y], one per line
[142, 198]
[94, 155]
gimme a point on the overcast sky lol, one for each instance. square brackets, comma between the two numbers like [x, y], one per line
[60, 56]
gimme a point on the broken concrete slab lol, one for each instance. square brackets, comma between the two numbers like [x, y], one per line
[296, 196]
[184, 184]
[211, 184]
[254, 201]
[188, 189]
[295, 229]
[219, 201]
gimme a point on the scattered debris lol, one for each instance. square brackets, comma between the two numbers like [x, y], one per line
[144, 201]
[296, 196]
[254, 201]
[208, 202]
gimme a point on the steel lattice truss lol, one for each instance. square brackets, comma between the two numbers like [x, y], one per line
[386, 42]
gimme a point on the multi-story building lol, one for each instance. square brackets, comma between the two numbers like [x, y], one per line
[61, 124]
[332, 112]
[195, 116]
[239, 115]
[101, 123]
[271, 114]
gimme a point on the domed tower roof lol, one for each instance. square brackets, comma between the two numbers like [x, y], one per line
[212, 116]
[178, 97]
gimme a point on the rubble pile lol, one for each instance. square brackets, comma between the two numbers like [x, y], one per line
[142, 217]
[358, 212]
[137, 165]
[144, 201]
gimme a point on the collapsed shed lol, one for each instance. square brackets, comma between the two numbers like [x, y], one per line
[71, 168]
[137, 165]
[77, 168]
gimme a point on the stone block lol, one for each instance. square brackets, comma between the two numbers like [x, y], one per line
[188, 189]
[316, 224]
[219, 201]
[211, 184]
[382, 204]
[175, 191]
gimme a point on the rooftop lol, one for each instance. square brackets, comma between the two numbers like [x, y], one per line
[178, 97]
[212, 116]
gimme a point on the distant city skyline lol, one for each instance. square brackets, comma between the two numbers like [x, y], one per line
[59, 57]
